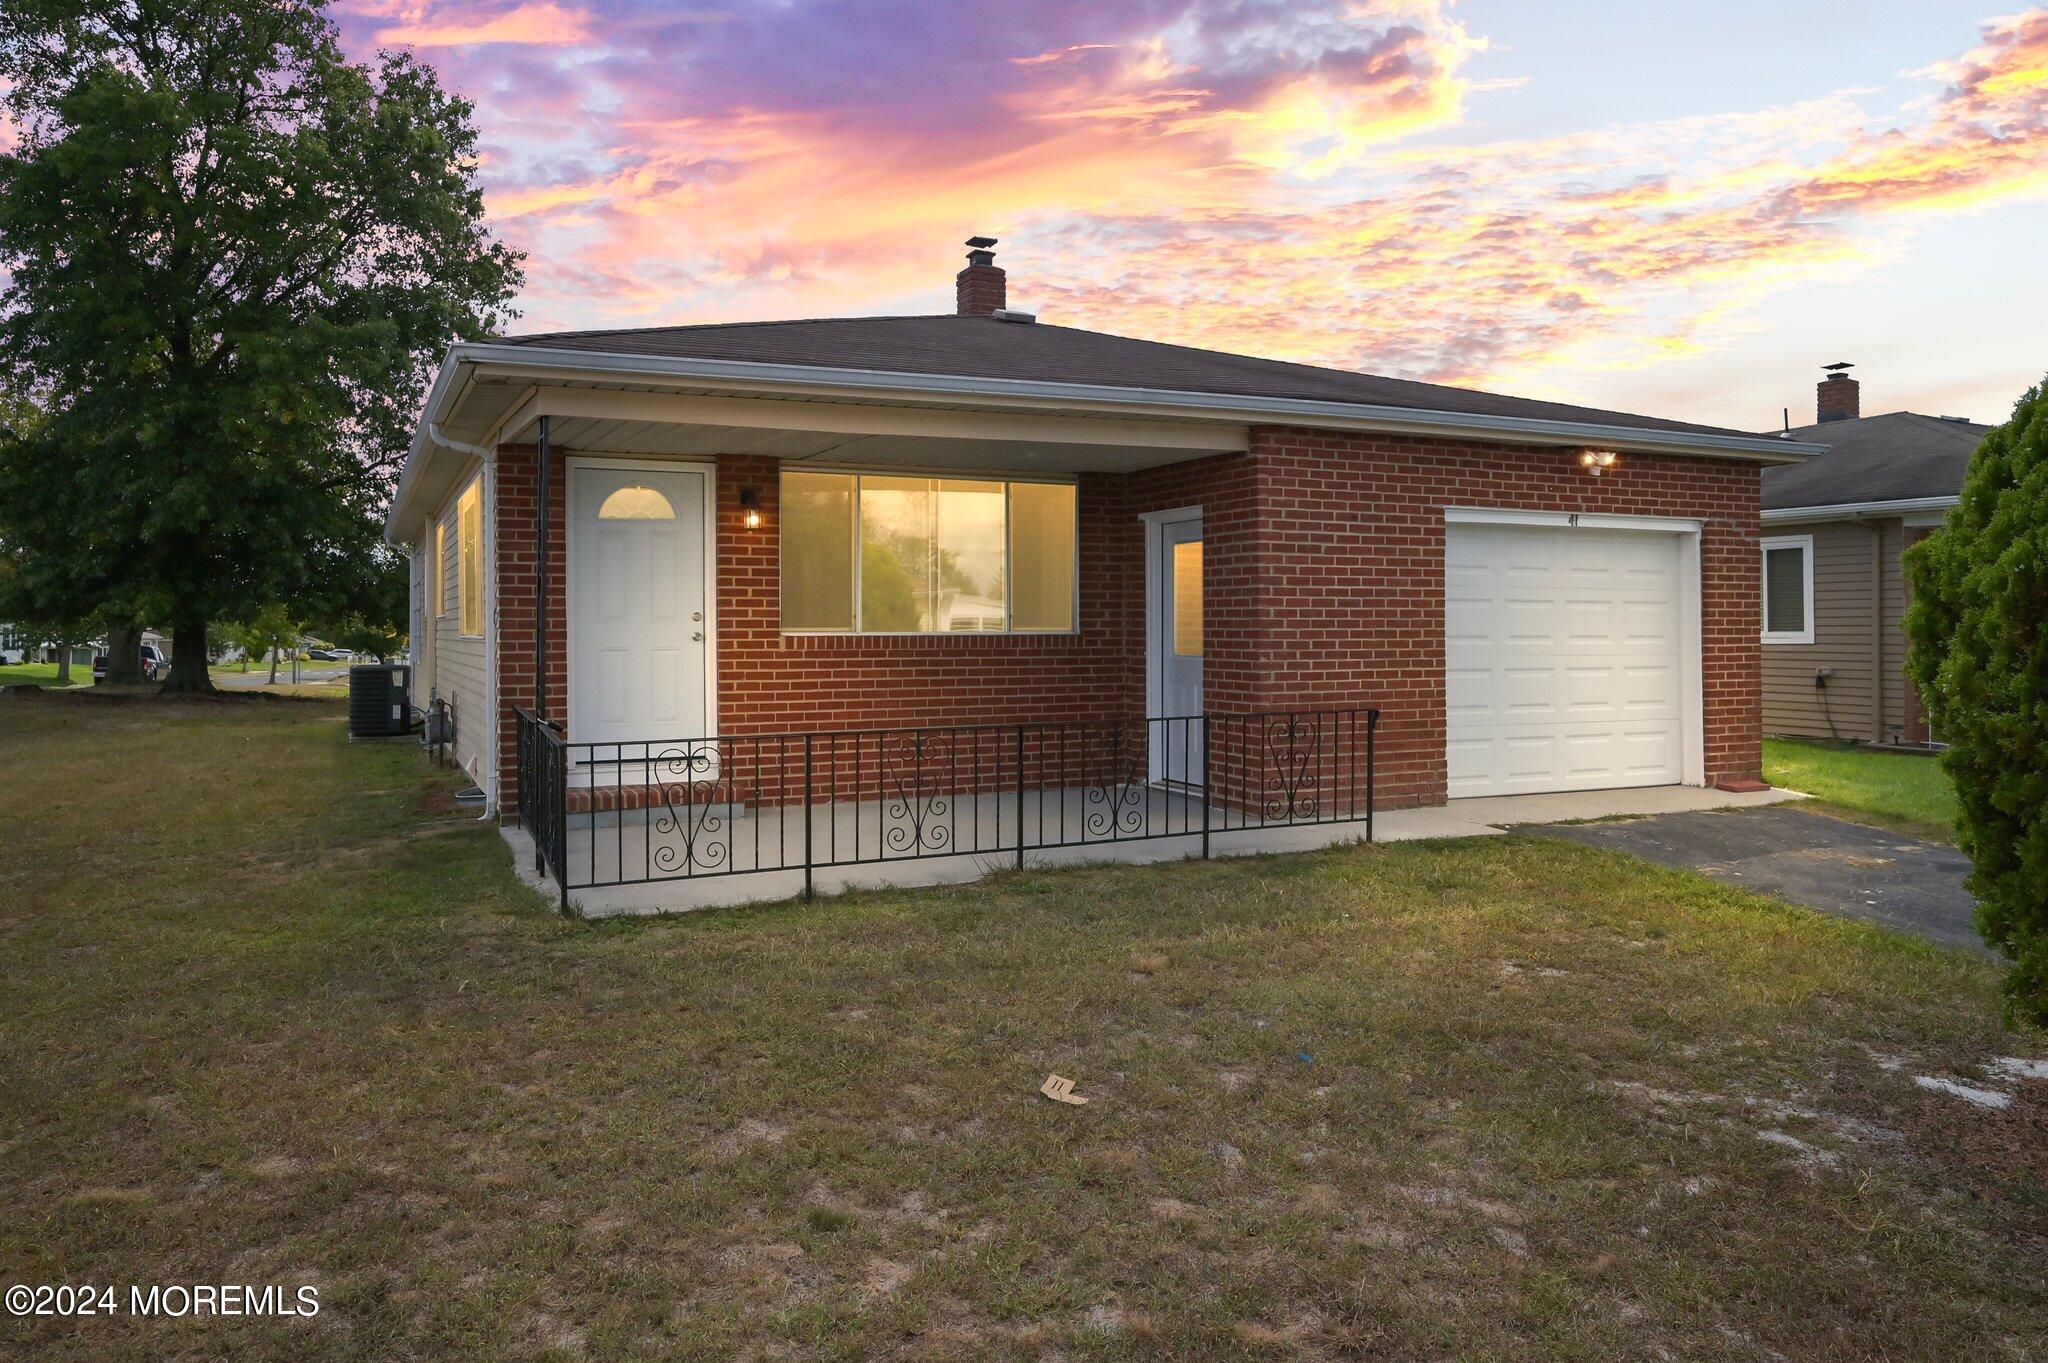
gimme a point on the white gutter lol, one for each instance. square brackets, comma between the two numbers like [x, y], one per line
[460, 447]
[1841, 511]
[821, 381]
[1223, 406]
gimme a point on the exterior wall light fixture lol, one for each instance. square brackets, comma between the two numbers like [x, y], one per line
[750, 509]
[1597, 462]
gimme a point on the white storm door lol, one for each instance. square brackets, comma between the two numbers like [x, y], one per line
[1564, 659]
[639, 633]
[1174, 652]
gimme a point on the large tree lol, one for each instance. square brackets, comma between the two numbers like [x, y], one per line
[235, 258]
[1978, 632]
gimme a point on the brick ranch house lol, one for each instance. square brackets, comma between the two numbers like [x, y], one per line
[970, 521]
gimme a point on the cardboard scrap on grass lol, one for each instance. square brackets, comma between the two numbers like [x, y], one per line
[1060, 1089]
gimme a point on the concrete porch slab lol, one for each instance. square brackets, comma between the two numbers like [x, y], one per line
[1459, 819]
[684, 895]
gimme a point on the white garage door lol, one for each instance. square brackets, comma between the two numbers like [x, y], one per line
[1563, 660]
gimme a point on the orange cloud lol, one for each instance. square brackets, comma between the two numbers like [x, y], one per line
[545, 23]
[1223, 173]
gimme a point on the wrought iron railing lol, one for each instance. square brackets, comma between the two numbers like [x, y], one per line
[603, 814]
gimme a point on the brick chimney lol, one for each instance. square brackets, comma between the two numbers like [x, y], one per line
[980, 289]
[1839, 396]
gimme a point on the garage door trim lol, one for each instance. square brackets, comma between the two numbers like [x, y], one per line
[1692, 688]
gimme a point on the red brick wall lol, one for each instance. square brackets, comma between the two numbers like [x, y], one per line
[517, 510]
[1323, 561]
[1350, 582]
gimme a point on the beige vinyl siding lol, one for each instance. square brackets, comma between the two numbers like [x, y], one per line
[1847, 592]
[423, 615]
[461, 665]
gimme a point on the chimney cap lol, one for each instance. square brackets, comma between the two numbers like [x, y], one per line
[1834, 370]
[981, 243]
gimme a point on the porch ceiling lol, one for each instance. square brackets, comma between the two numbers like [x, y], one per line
[597, 418]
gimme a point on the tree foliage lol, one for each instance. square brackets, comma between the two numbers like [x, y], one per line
[235, 260]
[1978, 630]
[270, 630]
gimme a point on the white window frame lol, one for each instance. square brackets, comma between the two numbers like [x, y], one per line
[1009, 630]
[462, 571]
[1803, 543]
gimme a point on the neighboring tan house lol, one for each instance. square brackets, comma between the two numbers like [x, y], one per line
[970, 568]
[1834, 587]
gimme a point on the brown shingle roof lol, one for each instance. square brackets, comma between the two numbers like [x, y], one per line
[1889, 458]
[983, 347]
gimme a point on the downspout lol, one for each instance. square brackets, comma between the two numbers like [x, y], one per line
[460, 446]
[1876, 630]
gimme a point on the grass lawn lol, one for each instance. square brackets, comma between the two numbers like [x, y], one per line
[1503, 1099]
[42, 674]
[1908, 792]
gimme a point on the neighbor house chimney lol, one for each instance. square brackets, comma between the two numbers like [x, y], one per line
[980, 288]
[1840, 399]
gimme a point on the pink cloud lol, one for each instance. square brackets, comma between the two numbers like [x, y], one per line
[1239, 173]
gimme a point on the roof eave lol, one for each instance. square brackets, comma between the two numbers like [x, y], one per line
[829, 381]
[1842, 511]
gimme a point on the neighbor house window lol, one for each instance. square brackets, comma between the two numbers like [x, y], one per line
[896, 554]
[1788, 590]
[469, 557]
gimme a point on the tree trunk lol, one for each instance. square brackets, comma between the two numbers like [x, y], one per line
[64, 665]
[188, 656]
[273, 666]
[124, 655]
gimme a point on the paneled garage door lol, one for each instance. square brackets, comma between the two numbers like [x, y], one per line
[1563, 659]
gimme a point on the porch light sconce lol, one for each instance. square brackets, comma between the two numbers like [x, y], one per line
[750, 509]
[1597, 462]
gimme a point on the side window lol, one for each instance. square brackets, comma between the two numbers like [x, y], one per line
[469, 524]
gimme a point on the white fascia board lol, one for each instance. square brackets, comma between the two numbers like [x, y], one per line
[1235, 408]
[1846, 511]
[823, 381]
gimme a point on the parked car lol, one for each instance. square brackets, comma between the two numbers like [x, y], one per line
[326, 655]
[156, 664]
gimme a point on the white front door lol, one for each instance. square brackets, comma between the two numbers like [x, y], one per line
[1564, 659]
[639, 628]
[1174, 650]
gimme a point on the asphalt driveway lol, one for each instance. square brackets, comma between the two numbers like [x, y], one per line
[1811, 859]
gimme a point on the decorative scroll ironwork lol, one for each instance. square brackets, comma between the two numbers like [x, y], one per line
[1113, 802]
[632, 812]
[695, 811]
[1292, 745]
[917, 803]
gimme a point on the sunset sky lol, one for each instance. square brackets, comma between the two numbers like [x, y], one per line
[1676, 209]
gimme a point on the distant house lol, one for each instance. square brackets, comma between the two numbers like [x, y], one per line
[17, 645]
[1834, 589]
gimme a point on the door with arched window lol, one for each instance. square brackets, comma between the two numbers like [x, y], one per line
[640, 630]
